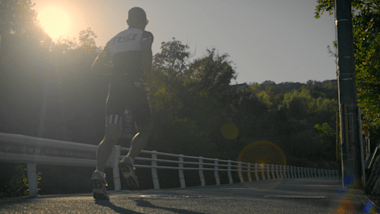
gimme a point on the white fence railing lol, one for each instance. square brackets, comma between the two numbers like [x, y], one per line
[33, 150]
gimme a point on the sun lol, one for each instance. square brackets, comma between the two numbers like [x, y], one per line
[54, 21]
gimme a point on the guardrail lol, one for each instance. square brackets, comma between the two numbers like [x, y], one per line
[32, 150]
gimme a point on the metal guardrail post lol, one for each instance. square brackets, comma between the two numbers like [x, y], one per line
[292, 172]
[229, 173]
[115, 168]
[201, 176]
[262, 171]
[299, 172]
[249, 172]
[277, 172]
[268, 171]
[315, 172]
[287, 171]
[156, 183]
[32, 179]
[240, 174]
[256, 174]
[273, 169]
[216, 172]
[283, 171]
[180, 172]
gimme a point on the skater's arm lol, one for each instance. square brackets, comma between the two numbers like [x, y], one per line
[147, 56]
[101, 64]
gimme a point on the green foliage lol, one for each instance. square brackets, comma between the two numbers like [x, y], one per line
[212, 73]
[294, 109]
[366, 32]
[188, 98]
[18, 184]
[47, 90]
[324, 130]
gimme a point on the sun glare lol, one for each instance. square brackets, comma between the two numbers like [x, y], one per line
[54, 21]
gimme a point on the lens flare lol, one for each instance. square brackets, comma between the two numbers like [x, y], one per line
[348, 179]
[229, 131]
[261, 152]
[346, 207]
[368, 208]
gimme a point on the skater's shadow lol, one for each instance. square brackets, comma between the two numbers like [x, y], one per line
[142, 203]
[115, 208]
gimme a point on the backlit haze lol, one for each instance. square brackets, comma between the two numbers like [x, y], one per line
[278, 40]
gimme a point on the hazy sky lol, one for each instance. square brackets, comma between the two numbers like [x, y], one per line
[278, 40]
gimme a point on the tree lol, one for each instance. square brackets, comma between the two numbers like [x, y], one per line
[366, 32]
[189, 98]
[18, 25]
[212, 73]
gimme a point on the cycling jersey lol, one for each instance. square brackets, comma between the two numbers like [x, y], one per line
[126, 48]
[128, 88]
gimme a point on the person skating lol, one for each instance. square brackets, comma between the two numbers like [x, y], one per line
[130, 54]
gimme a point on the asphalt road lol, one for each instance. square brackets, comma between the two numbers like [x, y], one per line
[309, 195]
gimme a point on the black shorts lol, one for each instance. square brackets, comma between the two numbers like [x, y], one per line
[129, 94]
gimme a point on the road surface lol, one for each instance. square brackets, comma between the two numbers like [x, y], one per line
[309, 195]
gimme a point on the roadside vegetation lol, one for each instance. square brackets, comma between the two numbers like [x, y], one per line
[48, 91]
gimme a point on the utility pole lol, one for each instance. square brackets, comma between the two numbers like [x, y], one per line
[348, 106]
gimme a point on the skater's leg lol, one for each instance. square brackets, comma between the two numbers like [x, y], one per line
[139, 140]
[104, 151]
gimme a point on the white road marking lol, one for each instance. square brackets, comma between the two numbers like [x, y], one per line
[239, 188]
[293, 196]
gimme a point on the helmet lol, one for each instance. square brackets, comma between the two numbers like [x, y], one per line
[137, 14]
